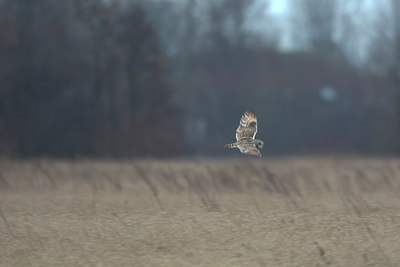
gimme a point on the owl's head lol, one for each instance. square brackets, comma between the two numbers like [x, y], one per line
[259, 144]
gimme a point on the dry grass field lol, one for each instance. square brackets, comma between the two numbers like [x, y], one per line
[242, 212]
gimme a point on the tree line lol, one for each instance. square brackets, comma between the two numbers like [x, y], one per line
[159, 78]
[83, 78]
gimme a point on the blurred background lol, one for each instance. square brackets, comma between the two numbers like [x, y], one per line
[161, 78]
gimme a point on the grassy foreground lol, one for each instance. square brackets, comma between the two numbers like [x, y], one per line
[269, 212]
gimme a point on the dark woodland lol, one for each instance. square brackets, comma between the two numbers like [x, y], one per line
[87, 78]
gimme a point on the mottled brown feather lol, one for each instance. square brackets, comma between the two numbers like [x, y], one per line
[247, 125]
[249, 149]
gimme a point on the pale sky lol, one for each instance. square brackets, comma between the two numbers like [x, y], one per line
[278, 6]
[365, 14]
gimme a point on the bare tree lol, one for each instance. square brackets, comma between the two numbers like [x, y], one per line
[395, 69]
[384, 51]
[315, 23]
[82, 79]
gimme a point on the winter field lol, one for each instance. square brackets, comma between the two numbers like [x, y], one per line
[268, 212]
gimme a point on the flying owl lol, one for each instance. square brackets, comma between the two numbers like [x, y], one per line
[246, 133]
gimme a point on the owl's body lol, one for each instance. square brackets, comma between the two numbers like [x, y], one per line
[245, 135]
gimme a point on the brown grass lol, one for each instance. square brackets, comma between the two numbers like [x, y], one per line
[270, 212]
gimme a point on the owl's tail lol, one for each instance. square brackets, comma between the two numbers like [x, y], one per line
[233, 145]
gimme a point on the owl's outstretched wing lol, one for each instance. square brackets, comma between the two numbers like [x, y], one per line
[247, 125]
[249, 149]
